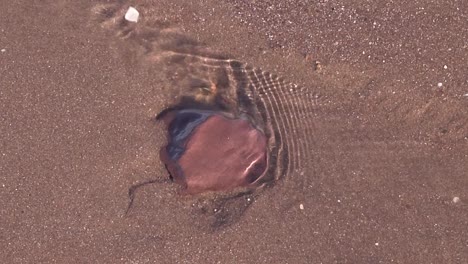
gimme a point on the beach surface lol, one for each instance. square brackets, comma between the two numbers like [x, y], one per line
[387, 176]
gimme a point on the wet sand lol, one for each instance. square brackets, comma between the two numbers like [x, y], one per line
[389, 146]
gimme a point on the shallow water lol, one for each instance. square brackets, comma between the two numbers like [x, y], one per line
[370, 153]
[284, 111]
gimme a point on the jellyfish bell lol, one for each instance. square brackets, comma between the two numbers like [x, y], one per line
[213, 151]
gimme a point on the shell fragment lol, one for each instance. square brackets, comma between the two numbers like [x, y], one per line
[132, 15]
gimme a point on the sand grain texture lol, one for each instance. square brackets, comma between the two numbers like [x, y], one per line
[387, 146]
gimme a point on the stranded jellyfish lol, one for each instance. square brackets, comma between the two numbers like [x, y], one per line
[213, 151]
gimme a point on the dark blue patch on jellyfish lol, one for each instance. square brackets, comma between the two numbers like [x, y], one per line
[180, 129]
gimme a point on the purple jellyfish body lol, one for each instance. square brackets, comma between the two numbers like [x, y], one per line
[211, 151]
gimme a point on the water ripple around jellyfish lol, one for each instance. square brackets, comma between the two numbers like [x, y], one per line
[232, 129]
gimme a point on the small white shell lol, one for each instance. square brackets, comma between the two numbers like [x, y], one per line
[132, 15]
